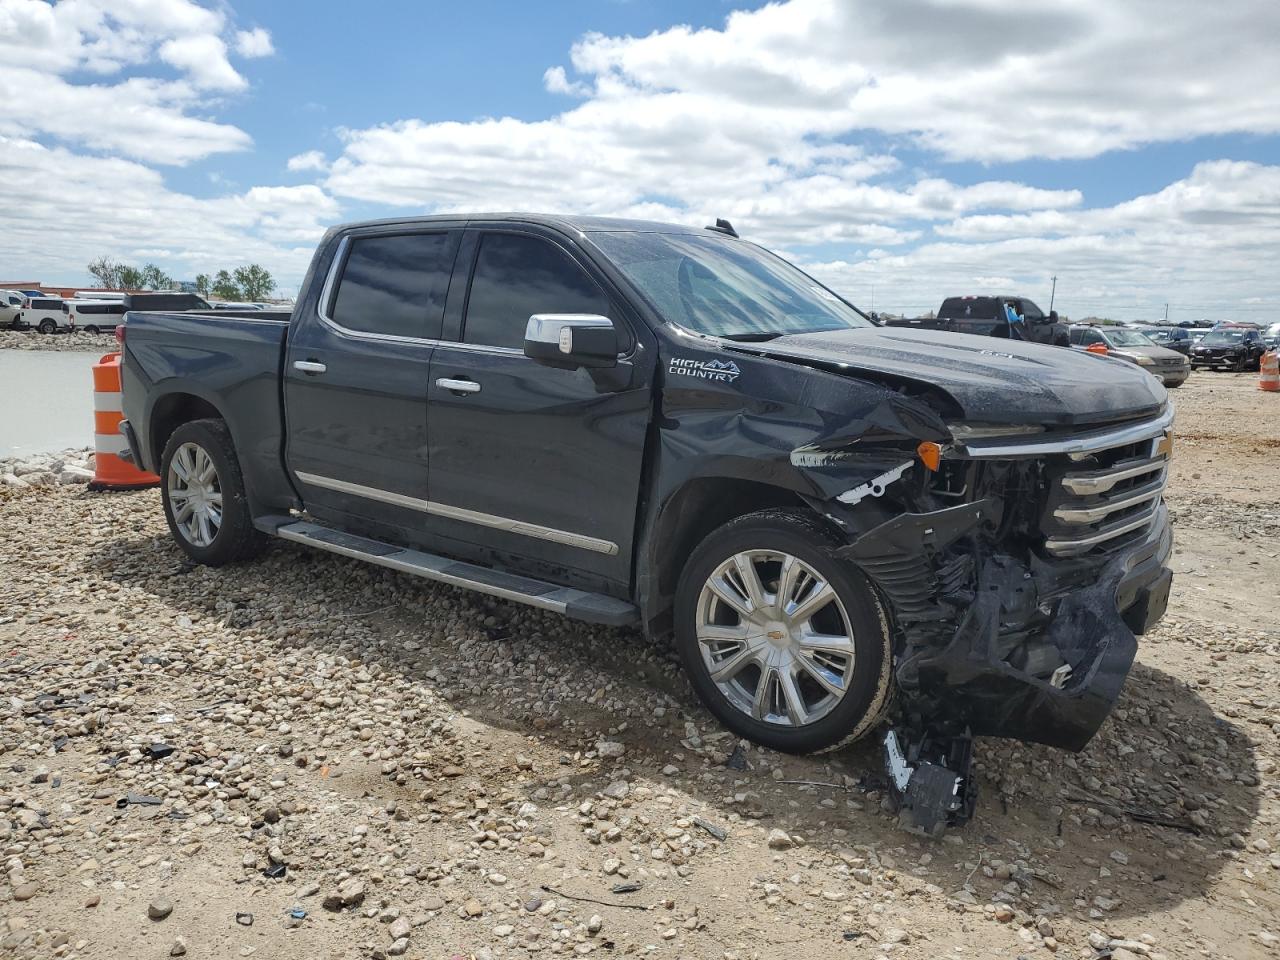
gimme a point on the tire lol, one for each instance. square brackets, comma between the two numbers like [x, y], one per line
[856, 692]
[224, 535]
[1240, 365]
[47, 327]
[1175, 385]
[91, 329]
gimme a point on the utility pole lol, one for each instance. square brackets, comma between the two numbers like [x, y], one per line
[1052, 292]
[1166, 313]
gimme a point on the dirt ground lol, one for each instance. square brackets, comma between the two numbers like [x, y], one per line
[441, 775]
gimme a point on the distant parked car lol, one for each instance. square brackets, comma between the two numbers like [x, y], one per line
[95, 316]
[46, 314]
[166, 302]
[11, 309]
[1174, 338]
[1237, 348]
[1170, 367]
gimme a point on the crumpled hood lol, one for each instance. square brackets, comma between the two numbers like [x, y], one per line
[991, 379]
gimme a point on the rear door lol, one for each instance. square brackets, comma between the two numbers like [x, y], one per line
[356, 373]
[535, 464]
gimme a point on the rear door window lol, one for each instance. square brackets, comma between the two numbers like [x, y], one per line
[395, 285]
[971, 308]
[517, 276]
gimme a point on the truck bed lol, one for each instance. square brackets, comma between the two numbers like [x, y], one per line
[228, 358]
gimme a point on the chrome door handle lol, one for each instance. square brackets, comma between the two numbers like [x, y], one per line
[458, 386]
[309, 366]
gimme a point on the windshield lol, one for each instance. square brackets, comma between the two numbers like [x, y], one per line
[1127, 338]
[725, 288]
[1223, 336]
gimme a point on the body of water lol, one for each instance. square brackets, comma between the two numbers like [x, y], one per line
[47, 401]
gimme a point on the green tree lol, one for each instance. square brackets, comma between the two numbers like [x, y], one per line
[153, 278]
[254, 281]
[203, 284]
[224, 288]
[107, 272]
[129, 278]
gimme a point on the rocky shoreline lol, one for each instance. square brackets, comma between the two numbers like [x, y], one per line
[72, 467]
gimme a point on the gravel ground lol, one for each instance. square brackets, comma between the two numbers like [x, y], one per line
[34, 340]
[373, 765]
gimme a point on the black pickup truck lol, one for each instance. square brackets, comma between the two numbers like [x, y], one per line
[987, 316]
[643, 424]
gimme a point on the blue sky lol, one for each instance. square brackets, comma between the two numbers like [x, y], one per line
[904, 150]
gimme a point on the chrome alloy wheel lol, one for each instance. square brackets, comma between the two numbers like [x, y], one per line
[775, 638]
[195, 495]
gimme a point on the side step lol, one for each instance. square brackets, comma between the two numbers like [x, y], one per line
[578, 604]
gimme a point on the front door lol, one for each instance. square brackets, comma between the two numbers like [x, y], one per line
[356, 379]
[531, 463]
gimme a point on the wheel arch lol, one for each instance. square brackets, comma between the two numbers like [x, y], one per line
[172, 410]
[699, 506]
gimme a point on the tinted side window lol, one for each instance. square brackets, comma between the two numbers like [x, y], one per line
[395, 285]
[1030, 310]
[972, 308]
[518, 276]
[1075, 336]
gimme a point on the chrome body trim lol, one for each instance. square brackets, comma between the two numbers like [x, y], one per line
[1103, 510]
[1103, 480]
[458, 386]
[1078, 445]
[1072, 546]
[568, 538]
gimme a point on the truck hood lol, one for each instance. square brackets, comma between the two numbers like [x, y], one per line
[992, 380]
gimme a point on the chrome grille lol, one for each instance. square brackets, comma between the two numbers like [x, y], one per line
[1103, 487]
[1102, 499]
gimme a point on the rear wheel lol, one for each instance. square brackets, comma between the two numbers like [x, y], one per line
[783, 641]
[204, 495]
[47, 327]
[91, 329]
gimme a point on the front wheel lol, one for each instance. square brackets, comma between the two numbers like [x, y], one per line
[784, 642]
[204, 495]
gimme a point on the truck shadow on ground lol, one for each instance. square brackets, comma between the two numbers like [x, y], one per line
[1153, 807]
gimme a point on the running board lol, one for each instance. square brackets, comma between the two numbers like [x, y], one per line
[578, 604]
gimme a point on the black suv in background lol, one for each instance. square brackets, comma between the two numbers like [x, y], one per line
[986, 316]
[1236, 348]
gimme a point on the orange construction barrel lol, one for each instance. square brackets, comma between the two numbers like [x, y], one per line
[1269, 372]
[110, 472]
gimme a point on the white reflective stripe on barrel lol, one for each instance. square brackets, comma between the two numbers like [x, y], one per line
[107, 402]
[110, 443]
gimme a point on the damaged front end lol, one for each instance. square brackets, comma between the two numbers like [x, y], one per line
[1016, 569]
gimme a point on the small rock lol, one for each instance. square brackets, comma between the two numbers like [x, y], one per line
[159, 909]
[1004, 913]
[503, 930]
[595, 924]
[779, 840]
[400, 927]
[398, 948]
[179, 948]
[473, 908]
[25, 891]
[610, 749]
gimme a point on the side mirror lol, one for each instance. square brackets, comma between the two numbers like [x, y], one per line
[571, 340]
[1053, 316]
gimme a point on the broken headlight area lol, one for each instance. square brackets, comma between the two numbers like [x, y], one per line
[1016, 577]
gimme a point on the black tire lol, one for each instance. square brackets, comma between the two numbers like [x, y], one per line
[1175, 385]
[91, 329]
[236, 537]
[808, 539]
[47, 327]
[1240, 365]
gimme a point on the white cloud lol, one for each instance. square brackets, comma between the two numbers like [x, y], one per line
[311, 160]
[204, 59]
[150, 113]
[254, 43]
[1204, 244]
[96, 206]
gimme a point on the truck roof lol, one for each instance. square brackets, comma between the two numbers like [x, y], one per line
[583, 224]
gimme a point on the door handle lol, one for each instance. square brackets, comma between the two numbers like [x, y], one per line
[458, 386]
[309, 366]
